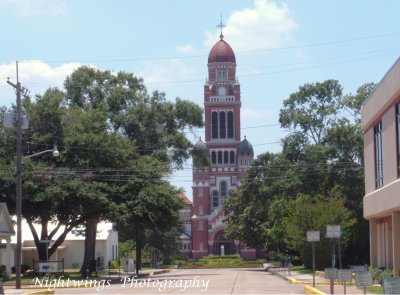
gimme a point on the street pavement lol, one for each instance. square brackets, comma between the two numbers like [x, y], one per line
[191, 281]
[199, 281]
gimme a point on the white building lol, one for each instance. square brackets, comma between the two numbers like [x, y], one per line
[6, 232]
[72, 249]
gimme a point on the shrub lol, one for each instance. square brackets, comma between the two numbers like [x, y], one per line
[113, 264]
[24, 268]
[379, 274]
[3, 273]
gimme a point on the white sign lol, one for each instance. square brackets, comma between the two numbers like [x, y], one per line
[313, 236]
[330, 273]
[333, 231]
[48, 267]
[391, 285]
[129, 265]
[364, 279]
[344, 275]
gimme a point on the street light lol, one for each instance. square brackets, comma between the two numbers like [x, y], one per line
[55, 152]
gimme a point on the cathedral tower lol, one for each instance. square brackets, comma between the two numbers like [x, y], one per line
[228, 157]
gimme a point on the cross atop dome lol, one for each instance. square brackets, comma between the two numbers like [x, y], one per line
[221, 25]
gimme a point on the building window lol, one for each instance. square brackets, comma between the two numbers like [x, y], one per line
[213, 157]
[230, 124]
[214, 125]
[232, 157]
[223, 188]
[222, 125]
[378, 155]
[200, 191]
[220, 157]
[215, 201]
[398, 137]
[222, 75]
[201, 212]
[226, 157]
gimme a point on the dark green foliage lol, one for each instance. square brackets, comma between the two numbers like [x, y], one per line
[322, 156]
[117, 143]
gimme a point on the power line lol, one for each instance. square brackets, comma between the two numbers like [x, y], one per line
[317, 44]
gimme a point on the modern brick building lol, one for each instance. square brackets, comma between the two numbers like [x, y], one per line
[228, 156]
[380, 122]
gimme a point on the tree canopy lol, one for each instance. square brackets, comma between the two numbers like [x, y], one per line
[117, 145]
[321, 164]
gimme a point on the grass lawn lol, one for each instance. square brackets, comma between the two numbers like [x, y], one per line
[301, 269]
[375, 289]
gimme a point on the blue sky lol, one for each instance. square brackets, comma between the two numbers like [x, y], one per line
[279, 45]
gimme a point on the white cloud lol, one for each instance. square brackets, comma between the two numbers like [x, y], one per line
[165, 71]
[186, 48]
[266, 26]
[37, 7]
[36, 75]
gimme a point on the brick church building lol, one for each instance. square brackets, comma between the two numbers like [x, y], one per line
[228, 157]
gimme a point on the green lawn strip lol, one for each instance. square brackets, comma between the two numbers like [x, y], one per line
[301, 269]
[374, 289]
[231, 261]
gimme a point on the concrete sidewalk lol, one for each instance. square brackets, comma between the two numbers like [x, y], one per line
[322, 285]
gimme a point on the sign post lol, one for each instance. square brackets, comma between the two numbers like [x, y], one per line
[344, 275]
[333, 232]
[313, 236]
[364, 279]
[331, 274]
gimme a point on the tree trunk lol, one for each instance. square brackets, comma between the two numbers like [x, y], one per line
[90, 244]
[138, 250]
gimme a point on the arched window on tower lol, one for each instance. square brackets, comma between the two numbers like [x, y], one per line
[222, 75]
[232, 157]
[222, 125]
[215, 201]
[226, 158]
[214, 125]
[219, 157]
[223, 188]
[213, 157]
[230, 124]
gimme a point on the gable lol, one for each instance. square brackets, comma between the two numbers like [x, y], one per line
[6, 223]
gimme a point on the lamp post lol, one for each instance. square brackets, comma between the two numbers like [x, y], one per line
[56, 153]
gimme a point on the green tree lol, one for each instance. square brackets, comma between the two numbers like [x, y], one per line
[132, 112]
[314, 213]
[322, 156]
[312, 109]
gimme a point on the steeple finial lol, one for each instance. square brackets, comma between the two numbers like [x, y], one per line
[221, 25]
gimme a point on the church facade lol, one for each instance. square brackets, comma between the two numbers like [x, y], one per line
[227, 157]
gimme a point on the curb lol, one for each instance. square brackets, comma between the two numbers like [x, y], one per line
[312, 290]
[39, 292]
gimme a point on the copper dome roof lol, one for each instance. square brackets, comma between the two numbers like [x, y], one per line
[221, 52]
[245, 148]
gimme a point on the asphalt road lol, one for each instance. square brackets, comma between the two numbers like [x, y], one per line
[199, 281]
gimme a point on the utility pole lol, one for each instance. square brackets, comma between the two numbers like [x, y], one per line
[18, 196]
